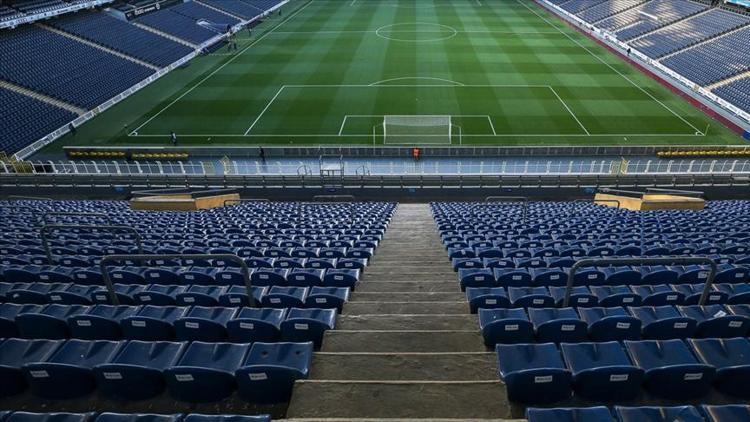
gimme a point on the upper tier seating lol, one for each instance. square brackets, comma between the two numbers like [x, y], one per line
[576, 6]
[711, 62]
[666, 12]
[607, 9]
[236, 7]
[689, 32]
[123, 37]
[62, 68]
[26, 120]
[177, 25]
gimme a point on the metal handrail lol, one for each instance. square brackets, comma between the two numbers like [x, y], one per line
[523, 199]
[677, 191]
[77, 214]
[594, 262]
[620, 191]
[43, 232]
[141, 258]
[34, 198]
[261, 200]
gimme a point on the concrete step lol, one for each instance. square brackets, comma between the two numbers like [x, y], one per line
[407, 286]
[361, 308]
[406, 296]
[401, 399]
[406, 273]
[405, 366]
[403, 341]
[407, 322]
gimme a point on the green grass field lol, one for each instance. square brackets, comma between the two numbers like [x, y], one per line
[327, 71]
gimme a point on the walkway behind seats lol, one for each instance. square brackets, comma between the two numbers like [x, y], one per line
[406, 345]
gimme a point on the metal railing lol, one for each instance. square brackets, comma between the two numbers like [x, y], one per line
[145, 258]
[44, 233]
[599, 262]
[399, 167]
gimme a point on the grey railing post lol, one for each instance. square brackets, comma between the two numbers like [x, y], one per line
[141, 258]
[593, 262]
[44, 232]
[77, 214]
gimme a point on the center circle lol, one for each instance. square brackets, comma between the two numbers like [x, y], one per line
[416, 32]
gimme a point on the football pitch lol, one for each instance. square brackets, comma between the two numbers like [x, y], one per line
[330, 72]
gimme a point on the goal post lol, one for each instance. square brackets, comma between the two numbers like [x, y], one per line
[417, 129]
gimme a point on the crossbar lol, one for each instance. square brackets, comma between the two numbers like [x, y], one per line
[594, 262]
[145, 258]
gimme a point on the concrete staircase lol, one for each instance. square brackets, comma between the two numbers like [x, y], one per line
[405, 347]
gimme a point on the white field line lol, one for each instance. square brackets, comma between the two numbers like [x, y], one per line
[264, 110]
[218, 69]
[492, 125]
[569, 110]
[343, 123]
[697, 131]
[501, 135]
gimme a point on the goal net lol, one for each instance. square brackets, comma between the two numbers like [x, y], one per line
[417, 129]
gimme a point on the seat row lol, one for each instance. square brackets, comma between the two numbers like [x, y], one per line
[602, 276]
[619, 372]
[586, 248]
[569, 325]
[126, 417]
[166, 323]
[704, 413]
[136, 370]
[605, 296]
[209, 276]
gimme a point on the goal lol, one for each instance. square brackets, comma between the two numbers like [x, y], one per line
[418, 129]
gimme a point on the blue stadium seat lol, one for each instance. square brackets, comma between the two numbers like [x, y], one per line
[48, 417]
[204, 324]
[200, 295]
[726, 413]
[159, 294]
[533, 373]
[602, 371]
[487, 298]
[303, 325]
[50, 322]
[341, 278]
[558, 325]
[658, 414]
[580, 296]
[163, 275]
[68, 371]
[731, 358]
[737, 294]
[100, 322]
[327, 297]
[199, 275]
[658, 295]
[125, 294]
[136, 372]
[285, 297]
[136, 417]
[236, 296]
[251, 325]
[583, 414]
[476, 277]
[693, 294]
[205, 371]
[663, 322]
[194, 417]
[305, 277]
[716, 321]
[8, 313]
[269, 370]
[672, 371]
[152, 323]
[269, 277]
[609, 296]
[530, 297]
[14, 353]
[610, 324]
[507, 326]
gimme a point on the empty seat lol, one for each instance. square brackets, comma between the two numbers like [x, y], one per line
[584, 414]
[658, 295]
[285, 297]
[8, 313]
[672, 371]
[658, 414]
[303, 325]
[237, 296]
[327, 297]
[476, 277]
[204, 324]
[152, 323]
[609, 296]
[68, 372]
[486, 298]
[136, 417]
[251, 325]
[731, 358]
[507, 326]
[716, 321]
[100, 322]
[530, 297]
[136, 372]
[727, 413]
[602, 371]
[736, 293]
[14, 353]
[159, 294]
[533, 373]
[198, 295]
[269, 370]
[194, 417]
[305, 277]
[663, 322]
[693, 294]
[49, 322]
[558, 325]
[341, 278]
[608, 324]
[48, 417]
[580, 296]
[205, 371]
